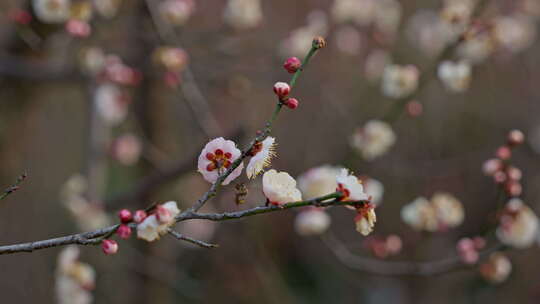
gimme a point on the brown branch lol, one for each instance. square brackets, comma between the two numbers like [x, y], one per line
[193, 241]
[95, 237]
[397, 268]
[13, 187]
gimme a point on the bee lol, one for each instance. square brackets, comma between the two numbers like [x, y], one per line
[241, 193]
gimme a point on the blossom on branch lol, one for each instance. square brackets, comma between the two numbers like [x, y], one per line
[262, 153]
[350, 186]
[52, 11]
[399, 81]
[216, 157]
[518, 225]
[157, 224]
[312, 221]
[365, 219]
[280, 188]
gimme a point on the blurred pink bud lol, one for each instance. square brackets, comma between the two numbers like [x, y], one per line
[20, 16]
[499, 177]
[163, 215]
[124, 232]
[125, 216]
[491, 166]
[109, 247]
[513, 173]
[479, 242]
[513, 188]
[504, 153]
[414, 108]
[78, 28]
[292, 103]
[465, 244]
[139, 216]
[393, 244]
[282, 89]
[172, 79]
[292, 64]
[515, 137]
[469, 257]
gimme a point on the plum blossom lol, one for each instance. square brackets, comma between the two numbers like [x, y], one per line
[262, 154]
[365, 219]
[420, 215]
[157, 224]
[360, 12]
[456, 76]
[497, 268]
[399, 81]
[74, 280]
[111, 104]
[448, 209]
[312, 222]
[177, 12]
[443, 211]
[127, 149]
[216, 157]
[518, 225]
[107, 8]
[350, 186]
[280, 188]
[52, 11]
[318, 181]
[243, 14]
[374, 188]
[515, 33]
[374, 139]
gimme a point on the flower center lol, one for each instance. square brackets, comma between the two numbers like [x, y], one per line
[345, 191]
[218, 160]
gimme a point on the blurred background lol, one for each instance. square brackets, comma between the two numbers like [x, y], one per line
[107, 103]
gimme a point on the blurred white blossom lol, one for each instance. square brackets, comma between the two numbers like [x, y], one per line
[74, 280]
[399, 81]
[318, 181]
[243, 14]
[312, 222]
[515, 33]
[456, 76]
[301, 38]
[52, 11]
[443, 211]
[177, 12]
[518, 225]
[496, 268]
[374, 139]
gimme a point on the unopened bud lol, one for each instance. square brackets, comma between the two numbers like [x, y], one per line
[292, 103]
[109, 247]
[319, 42]
[504, 153]
[515, 137]
[282, 89]
[125, 216]
[292, 65]
[124, 232]
[139, 216]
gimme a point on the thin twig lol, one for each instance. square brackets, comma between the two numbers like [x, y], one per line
[397, 268]
[188, 239]
[13, 187]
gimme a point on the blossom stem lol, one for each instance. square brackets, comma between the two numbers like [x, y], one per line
[13, 187]
[193, 241]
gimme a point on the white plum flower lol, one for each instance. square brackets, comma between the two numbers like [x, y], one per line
[52, 11]
[497, 268]
[216, 157]
[518, 225]
[448, 209]
[311, 222]
[262, 154]
[515, 33]
[351, 187]
[74, 279]
[318, 181]
[374, 139]
[243, 14]
[456, 76]
[280, 188]
[110, 103]
[420, 215]
[365, 220]
[399, 81]
[157, 224]
[373, 188]
[177, 12]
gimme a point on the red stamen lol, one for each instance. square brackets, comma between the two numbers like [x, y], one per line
[211, 167]
[228, 155]
[218, 152]
[210, 156]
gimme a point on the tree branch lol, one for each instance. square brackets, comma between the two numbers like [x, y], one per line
[188, 239]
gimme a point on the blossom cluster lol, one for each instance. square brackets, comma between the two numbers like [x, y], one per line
[442, 212]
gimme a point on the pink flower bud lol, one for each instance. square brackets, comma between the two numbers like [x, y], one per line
[139, 216]
[513, 173]
[292, 103]
[504, 153]
[479, 242]
[125, 216]
[513, 188]
[282, 89]
[465, 244]
[491, 166]
[414, 108]
[163, 215]
[109, 247]
[292, 64]
[124, 232]
[78, 28]
[20, 16]
[499, 177]
[470, 257]
[515, 137]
